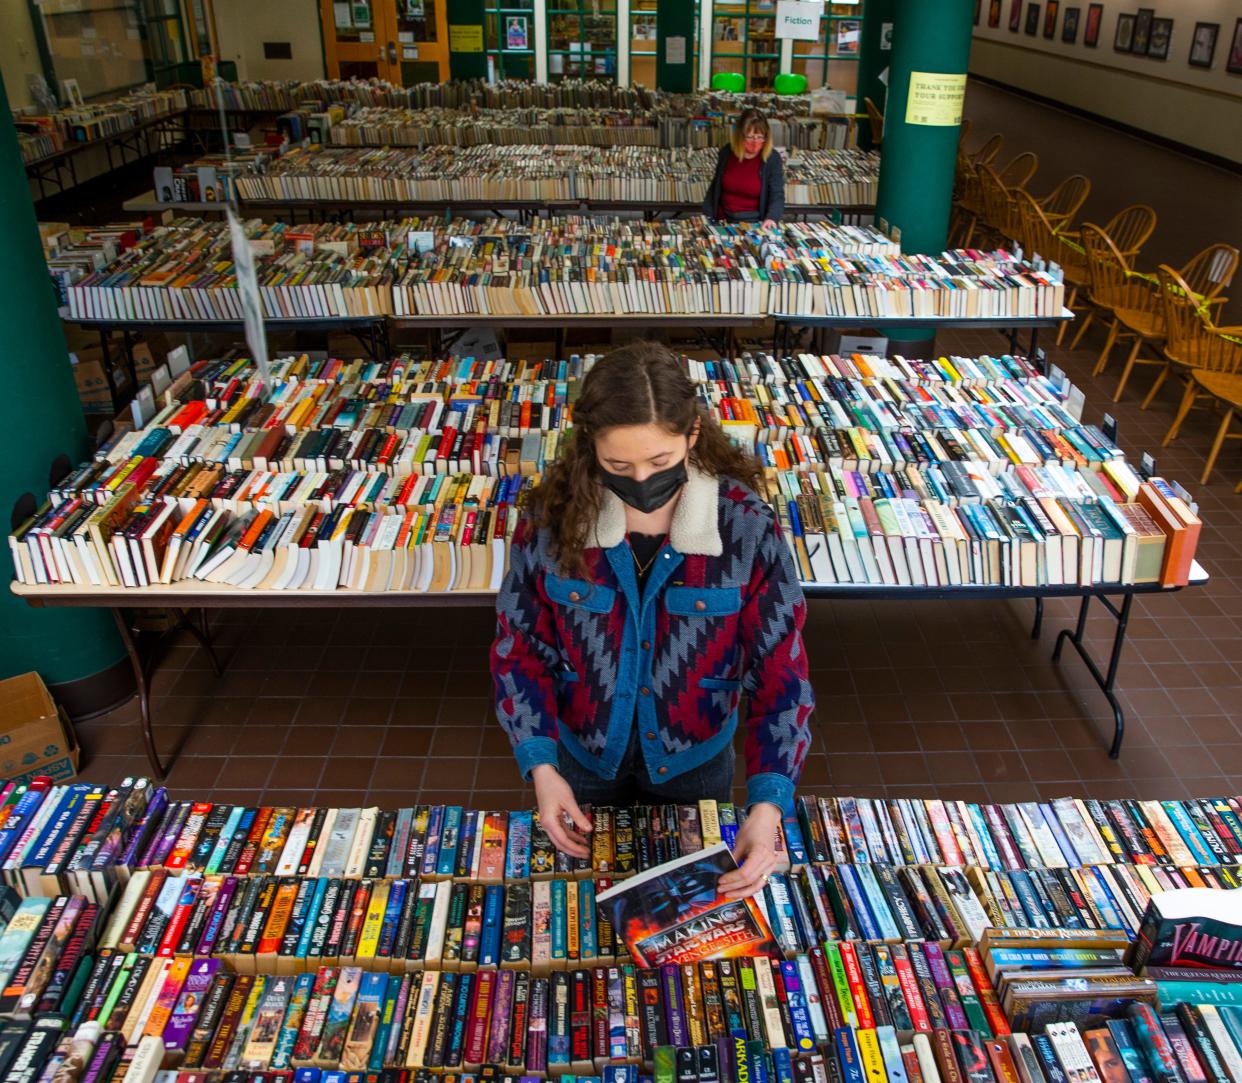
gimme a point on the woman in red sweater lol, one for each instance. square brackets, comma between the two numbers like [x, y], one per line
[749, 185]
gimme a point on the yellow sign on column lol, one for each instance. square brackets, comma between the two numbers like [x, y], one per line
[935, 99]
[465, 38]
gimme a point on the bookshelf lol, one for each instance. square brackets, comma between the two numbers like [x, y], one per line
[582, 40]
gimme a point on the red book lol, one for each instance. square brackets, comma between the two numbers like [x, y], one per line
[479, 1019]
[447, 436]
[919, 1018]
[251, 850]
[858, 990]
[986, 992]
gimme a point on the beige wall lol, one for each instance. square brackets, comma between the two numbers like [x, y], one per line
[244, 25]
[1199, 107]
[19, 55]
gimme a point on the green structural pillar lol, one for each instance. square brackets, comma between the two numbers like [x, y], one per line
[675, 46]
[875, 55]
[467, 49]
[927, 84]
[922, 117]
[76, 651]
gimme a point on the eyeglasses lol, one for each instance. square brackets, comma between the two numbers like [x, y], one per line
[754, 137]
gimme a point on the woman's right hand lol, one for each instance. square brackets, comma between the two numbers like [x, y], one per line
[566, 824]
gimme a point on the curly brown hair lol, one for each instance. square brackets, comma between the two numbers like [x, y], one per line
[642, 383]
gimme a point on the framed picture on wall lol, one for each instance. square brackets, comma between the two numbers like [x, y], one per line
[1124, 37]
[1161, 36]
[1233, 63]
[1091, 32]
[1032, 19]
[1142, 30]
[1069, 26]
[1015, 15]
[1050, 18]
[994, 13]
[1203, 45]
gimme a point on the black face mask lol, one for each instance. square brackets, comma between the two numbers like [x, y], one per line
[654, 491]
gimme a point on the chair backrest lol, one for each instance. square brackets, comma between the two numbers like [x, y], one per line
[789, 83]
[1065, 200]
[1107, 270]
[987, 153]
[1190, 336]
[732, 81]
[1036, 232]
[1020, 169]
[1211, 270]
[1129, 229]
[962, 132]
[997, 200]
[876, 119]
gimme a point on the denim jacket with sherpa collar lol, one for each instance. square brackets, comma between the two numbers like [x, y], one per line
[580, 661]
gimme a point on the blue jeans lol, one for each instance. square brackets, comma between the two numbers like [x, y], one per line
[634, 786]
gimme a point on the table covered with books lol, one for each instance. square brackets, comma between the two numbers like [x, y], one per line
[898, 940]
[398, 483]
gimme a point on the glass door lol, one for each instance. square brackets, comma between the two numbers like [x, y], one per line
[422, 41]
[402, 41]
[643, 42]
[355, 39]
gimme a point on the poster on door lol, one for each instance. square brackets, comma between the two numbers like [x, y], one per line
[515, 32]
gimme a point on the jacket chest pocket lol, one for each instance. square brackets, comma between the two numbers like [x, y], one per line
[580, 594]
[703, 602]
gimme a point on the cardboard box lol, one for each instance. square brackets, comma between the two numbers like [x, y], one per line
[36, 736]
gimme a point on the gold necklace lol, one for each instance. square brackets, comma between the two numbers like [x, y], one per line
[642, 568]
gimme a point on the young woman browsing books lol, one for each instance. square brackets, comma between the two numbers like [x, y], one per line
[648, 587]
[749, 185]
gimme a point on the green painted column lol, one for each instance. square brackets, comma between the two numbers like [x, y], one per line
[875, 55]
[931, 50]
[922, 118]
[467, 40]
[40, 418]
[675, 19]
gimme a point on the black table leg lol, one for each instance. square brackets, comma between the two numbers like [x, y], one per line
[130, 639]
[1037, 627]
[1034, 342]
[1107, 681]
[105, 354]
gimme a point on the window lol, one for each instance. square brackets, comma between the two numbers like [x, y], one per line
[582, 40]
[832, 59]
[510, 39]
[744, 40]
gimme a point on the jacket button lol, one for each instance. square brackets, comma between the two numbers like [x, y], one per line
[645, 690]
[662, 771]
[646, 644]
[650, 735]
[700, 605]
[574, 596]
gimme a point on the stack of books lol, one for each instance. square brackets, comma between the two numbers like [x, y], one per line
[407, 475]
[48, 133]
[184, 271]
[491, 173]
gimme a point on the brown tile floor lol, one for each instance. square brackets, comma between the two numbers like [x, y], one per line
[946, 698]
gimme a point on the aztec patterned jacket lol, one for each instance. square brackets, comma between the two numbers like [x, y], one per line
[581, 661]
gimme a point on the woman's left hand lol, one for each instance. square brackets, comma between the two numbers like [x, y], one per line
[755, 851]
[769, 223]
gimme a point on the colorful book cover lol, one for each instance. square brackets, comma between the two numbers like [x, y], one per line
[674, 913]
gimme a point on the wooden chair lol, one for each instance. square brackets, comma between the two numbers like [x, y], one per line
[1192, 343]
[1210, 272]
[1066, 199]
[1129, 230]
[1212, 357]
[1132, 299]
[1000, 210]
[987, 153]
[1036, 234]
[1020, 170]
[876, 120]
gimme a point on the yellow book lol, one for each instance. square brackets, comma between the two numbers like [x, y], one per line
[709, 822]
[869, 1054]
[573, 943]
[368, 942]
